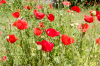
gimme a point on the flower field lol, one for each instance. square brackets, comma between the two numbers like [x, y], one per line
[34, 33]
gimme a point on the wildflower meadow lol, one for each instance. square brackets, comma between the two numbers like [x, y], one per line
[49, 33]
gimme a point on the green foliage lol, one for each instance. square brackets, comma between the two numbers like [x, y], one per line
[24, 51]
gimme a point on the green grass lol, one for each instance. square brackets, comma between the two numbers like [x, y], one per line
[61, 55]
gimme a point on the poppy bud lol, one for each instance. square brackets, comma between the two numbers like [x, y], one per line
[93, 13]
[39, 47]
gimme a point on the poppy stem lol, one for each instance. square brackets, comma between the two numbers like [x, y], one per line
[94, 36]
[72, 53]
[21, 38]
[81, 50]
[22, 46]
[9, 24]
[10, 28]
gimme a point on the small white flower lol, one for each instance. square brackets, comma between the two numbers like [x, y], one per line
[76, 24]
[72, 25]
[72, 11]
[32, 54]
[33, 41]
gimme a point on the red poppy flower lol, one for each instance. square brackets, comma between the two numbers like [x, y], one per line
[46, 46]
[11, 38]
[79, 3]
[21, 24]
[96, 3]
[4, 58]
[50, 6]
[98, 16]
[27, 7]
[2, 1]
[1, 59]
[87, 3]
[18, 10]
[76, 8]
[67, 40]
[90, 2]
[52, 32]
[39, 7]
[66, 3]
[31, 16]
[37, 31]
[39, 15]
[51, 17]
[41, 25]
[5, 51]
[83, 27]
[91, 13]
[68, 11]
[14, 24]
[88, 19]
[98, 41]
[0, 33]
[16, 14]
